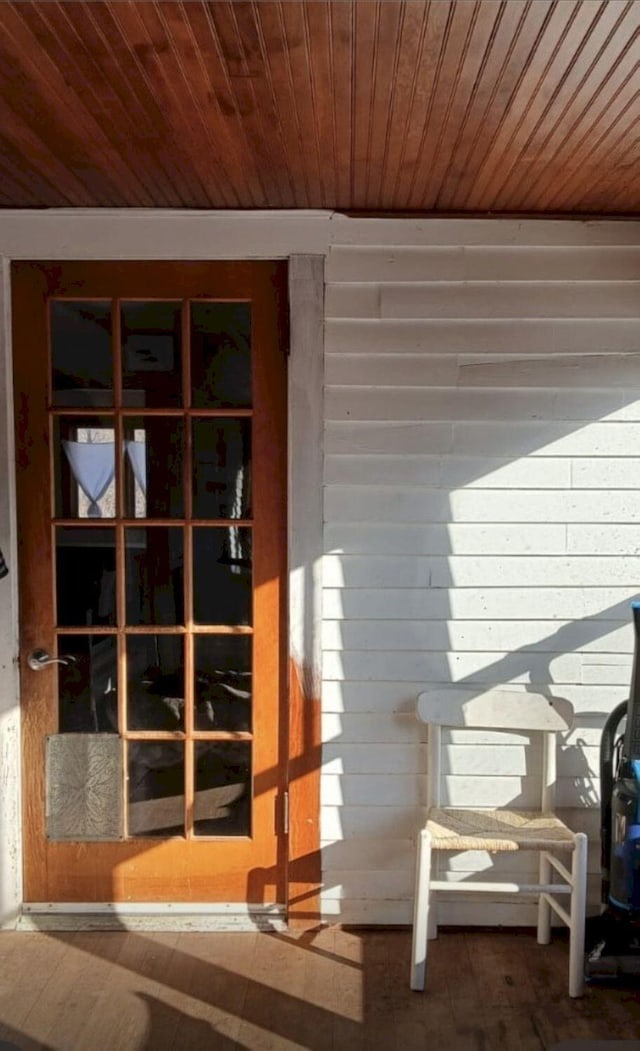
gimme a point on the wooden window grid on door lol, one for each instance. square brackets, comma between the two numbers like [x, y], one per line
[120, 416]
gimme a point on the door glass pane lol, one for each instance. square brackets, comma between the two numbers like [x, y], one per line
[85, 575]
[222, 686]
[156, 788]
[154, 574]
[222, 468]
[222, 802]
[84, 780]
[153, 467]
[155, 681]
[82, 367]
[88, 684]
[222, 575]
[151, 354]
[221, 354]
[84, 465]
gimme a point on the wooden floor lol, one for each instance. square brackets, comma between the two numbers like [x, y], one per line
[330, 989]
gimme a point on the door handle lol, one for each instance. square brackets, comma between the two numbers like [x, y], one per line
[39, 659]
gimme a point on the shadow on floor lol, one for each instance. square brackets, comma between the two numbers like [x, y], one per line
[329, 990]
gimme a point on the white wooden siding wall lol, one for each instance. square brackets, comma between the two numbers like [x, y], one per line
[482, 525]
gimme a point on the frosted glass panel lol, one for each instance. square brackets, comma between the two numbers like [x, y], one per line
[84, 787]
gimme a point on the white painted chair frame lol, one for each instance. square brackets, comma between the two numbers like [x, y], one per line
[501, 710]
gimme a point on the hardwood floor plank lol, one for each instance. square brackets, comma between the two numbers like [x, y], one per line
[327, 990]
[67, 1002]
[129, 1008]
[31, 964]
[513, 1029]
[274, 1006]
[214, 973]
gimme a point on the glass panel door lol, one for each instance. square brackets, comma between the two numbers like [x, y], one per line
[165, 415]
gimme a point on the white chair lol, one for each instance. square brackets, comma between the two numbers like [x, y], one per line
[449, 829]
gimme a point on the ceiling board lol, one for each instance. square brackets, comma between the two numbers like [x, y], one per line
[453, 106]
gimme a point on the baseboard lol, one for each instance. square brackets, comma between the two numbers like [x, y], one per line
[142, 916]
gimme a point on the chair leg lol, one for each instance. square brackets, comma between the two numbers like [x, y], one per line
[544, 909]
[421, 911]
[432, 924]
[578, 912]
[432, 920]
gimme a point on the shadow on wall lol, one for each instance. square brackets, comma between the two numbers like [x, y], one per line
[414, 489]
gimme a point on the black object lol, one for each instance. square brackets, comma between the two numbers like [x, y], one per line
[615, 934]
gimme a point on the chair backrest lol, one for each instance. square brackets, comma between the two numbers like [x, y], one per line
[495, 709]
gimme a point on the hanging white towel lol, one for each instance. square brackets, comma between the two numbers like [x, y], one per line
[93, 466]
[137, 453]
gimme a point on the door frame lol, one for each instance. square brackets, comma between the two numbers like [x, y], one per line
[305, 384]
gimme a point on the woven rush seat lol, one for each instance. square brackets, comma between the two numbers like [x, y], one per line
[497, 830]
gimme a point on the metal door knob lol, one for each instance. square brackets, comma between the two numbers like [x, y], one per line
[39, 659]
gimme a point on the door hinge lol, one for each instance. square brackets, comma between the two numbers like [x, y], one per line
[285, 813]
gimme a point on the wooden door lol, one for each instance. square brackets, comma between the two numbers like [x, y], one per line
[151, 453]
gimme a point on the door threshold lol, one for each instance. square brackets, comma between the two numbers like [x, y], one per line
[144, 916]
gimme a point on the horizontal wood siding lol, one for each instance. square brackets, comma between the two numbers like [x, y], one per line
[482, 525]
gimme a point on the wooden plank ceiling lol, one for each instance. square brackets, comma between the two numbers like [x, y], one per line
[507, 106]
